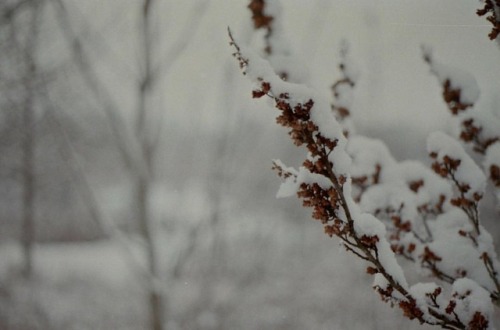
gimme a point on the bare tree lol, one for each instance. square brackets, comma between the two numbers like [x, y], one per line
[138, 144]
[20, 21]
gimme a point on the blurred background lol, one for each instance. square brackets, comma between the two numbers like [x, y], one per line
[136, 184]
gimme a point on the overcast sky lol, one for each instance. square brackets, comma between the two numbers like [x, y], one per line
[396, 89]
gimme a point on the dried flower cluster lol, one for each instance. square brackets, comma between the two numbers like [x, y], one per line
[491, 8]
[262, 20]
[467, 201]
[495, 175]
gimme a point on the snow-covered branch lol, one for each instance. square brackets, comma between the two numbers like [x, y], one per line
[381, 209]
[323, 182]
[478, 128]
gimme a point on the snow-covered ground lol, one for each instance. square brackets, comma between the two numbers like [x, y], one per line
[292, 279]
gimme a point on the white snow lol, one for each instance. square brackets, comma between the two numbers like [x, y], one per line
[472, 299]
[366, 154]
[421, 292]
[367, 224]
[433, 187]
[457, 252]
[458, 78]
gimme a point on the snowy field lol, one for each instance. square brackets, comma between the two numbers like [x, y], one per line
[304, 282]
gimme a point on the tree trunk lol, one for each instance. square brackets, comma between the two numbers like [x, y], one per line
[28, 226]
[155, 297]
[28, 146]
